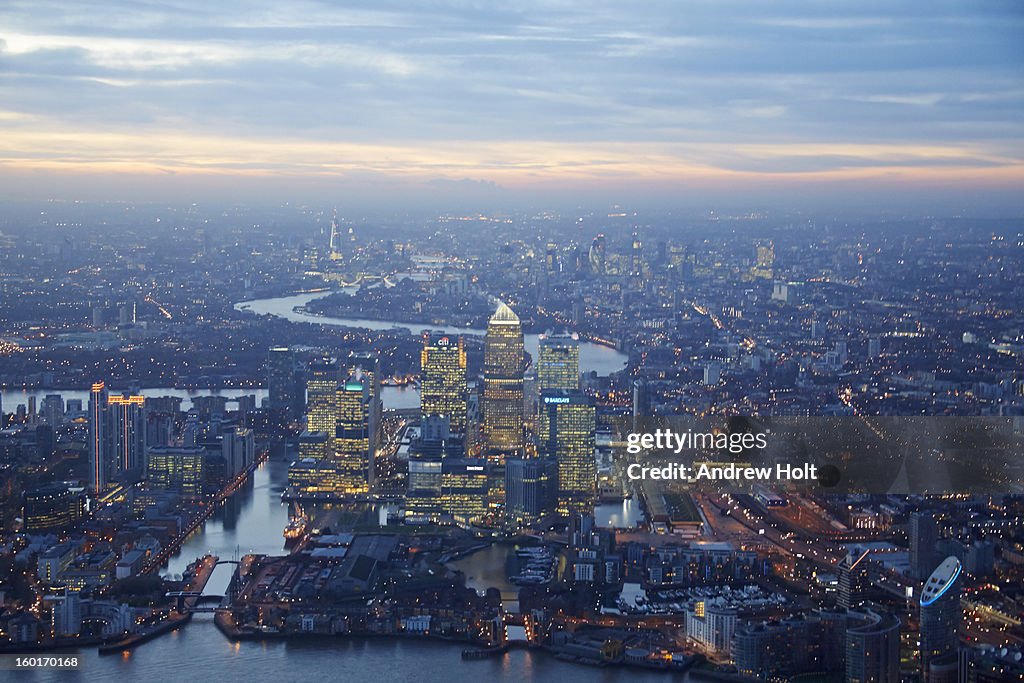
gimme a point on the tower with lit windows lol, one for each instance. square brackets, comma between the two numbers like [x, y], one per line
[503, 384]
[443, 380]
[567, 434]
[558, 363]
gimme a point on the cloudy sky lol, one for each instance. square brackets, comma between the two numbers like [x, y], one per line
[669, 100]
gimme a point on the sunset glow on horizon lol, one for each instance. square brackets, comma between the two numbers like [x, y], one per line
[544, 97]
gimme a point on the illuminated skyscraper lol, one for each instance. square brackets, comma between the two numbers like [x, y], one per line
[443, 380]
[597, 255]
[566, 430]
[98, 437]
[321, 394]
[558, 363]
[127, 416]
[940, 614]
[366, 368]
[351, 448]
[636, 262]
[503, 384]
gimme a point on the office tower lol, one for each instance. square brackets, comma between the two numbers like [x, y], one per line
[597, 255]
[31, 409]
[321, 395]
[238, 446]
[854, 582]
[566, 433]
[531, 488]
[98, 472]
[503, 384]
[53, 409]
[453, 486]
[285, 390]
[54, 507]
[351, 443]
[127, 433]
[464, 487]
[636, 262]
[314, 446]
[335, 242]
[366, 368]
[443, 380]
[558, 363]
[940, 614]
[872, 648]
[924, 535]
[180, 469]
[641, 402]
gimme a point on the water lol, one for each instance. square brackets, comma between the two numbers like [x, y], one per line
[486, 569]
[593, 357]
[199, 650]
[623, 515]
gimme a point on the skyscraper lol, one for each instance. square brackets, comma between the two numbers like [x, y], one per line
[503, 384]
[596, 256]
[566, 431]
[924, 534]
[443, 380]
[558, 363]
[940, 613]
[98, 437]
[352, 456]
[366, 368]
[321, 395]
[285, 392]
[127, 416]
[531, 488]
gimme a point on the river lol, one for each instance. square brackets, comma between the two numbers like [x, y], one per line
[593, 357]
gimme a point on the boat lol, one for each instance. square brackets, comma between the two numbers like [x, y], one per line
[296, 528]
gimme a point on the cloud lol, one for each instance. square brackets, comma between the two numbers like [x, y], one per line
[578, 90]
